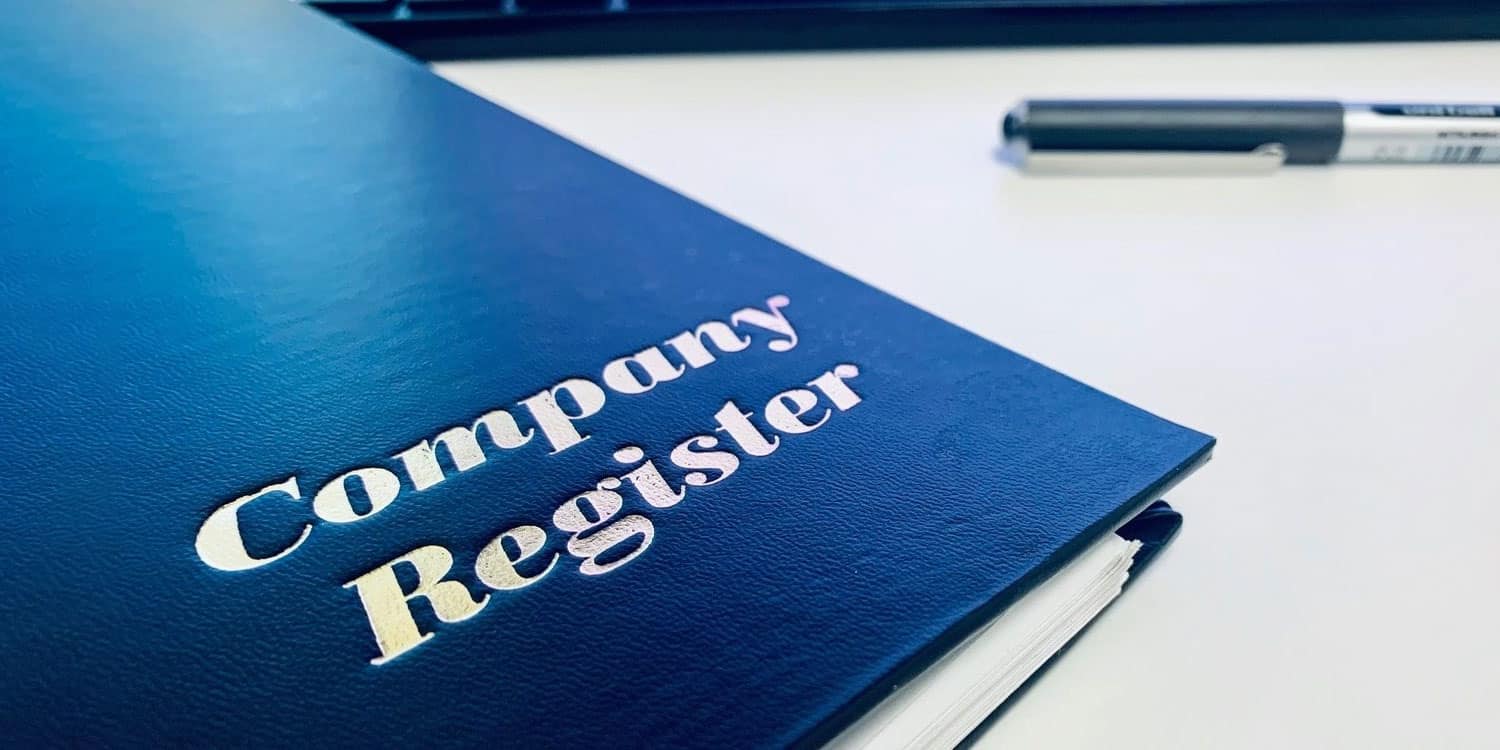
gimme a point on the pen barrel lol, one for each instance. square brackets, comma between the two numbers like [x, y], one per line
[1310, 131]
[1421, 133]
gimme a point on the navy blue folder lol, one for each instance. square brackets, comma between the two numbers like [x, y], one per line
[341, 407]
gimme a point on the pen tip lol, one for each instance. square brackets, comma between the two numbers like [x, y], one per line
[1012, 126]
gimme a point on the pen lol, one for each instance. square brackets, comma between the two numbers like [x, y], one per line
[1248, 137]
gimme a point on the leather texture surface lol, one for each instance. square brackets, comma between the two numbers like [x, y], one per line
[242, 243]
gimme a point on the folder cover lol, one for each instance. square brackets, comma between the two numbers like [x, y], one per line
[342, 407]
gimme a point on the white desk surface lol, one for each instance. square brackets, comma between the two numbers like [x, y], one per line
[1338, 329]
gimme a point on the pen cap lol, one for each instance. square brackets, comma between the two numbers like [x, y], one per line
[1310, 131]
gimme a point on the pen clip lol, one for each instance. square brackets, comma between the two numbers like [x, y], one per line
[1261, 160]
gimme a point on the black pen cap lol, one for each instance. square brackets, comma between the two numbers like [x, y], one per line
[1310, 131]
